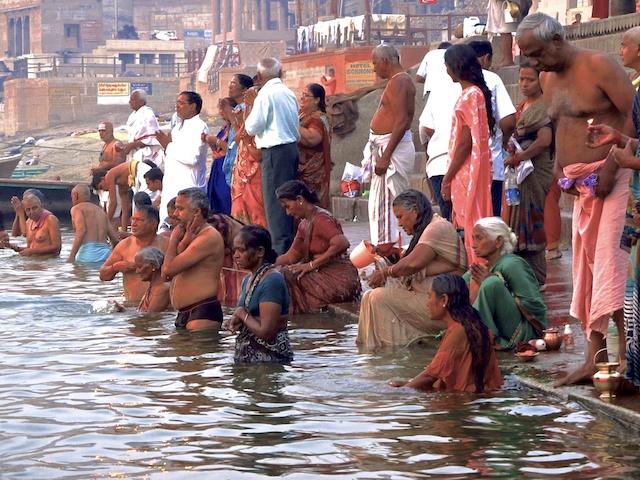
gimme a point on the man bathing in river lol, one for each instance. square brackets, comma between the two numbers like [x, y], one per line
[390, 150]
[92, 229]
[144, 224]
[581, 86]
[42, 230]
[116, 183]
[193, 262]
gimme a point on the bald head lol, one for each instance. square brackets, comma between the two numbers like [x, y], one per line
[80, 193]
[630, 49]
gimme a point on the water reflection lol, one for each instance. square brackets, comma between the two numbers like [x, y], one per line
[87, 394]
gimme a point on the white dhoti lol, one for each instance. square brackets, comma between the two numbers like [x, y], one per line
[384, 188]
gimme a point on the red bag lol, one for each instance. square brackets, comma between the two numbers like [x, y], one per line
[350, 188]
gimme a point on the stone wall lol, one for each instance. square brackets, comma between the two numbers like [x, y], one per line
[36, 104]
[87, 14]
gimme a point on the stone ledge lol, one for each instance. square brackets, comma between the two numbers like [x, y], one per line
[605, 26]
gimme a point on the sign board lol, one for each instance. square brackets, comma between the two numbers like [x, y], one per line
[113, 93]
[146, 86]
[359, 74]
[194, 33]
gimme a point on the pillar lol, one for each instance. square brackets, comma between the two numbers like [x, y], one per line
[264, 15]
[238, 15]
[282, 15]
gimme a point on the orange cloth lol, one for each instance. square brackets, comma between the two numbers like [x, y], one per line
[471, 187]
[600, 266]
[314, 167]
[247, 204]
[552, 221]
[452, 364]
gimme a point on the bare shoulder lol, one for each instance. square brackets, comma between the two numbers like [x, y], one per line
[53, 220]
[210, 236]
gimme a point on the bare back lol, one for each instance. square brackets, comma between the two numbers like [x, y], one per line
[594, 86]
[397, 105]
[90, 219]
[200, 281]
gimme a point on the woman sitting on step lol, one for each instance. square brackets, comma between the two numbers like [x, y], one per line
[394, 311]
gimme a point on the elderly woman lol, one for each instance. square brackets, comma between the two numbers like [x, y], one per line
[465, 360]
[314, 167]
[316, 267]
[505, 290]
[148, 264]
[467, 182]
[217, 188]
[261, 316]
[534, 134]
[395, 313]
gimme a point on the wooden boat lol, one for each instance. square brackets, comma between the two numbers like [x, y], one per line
[26, 171]
[8, 164]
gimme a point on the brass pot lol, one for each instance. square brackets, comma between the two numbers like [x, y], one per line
[552, 338]
[607, 380]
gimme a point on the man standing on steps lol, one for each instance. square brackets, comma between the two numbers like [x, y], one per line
[390, 152]
[582, 86]
[142, 126]
[273, 120]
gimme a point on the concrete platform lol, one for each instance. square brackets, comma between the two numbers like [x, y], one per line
[547, 366]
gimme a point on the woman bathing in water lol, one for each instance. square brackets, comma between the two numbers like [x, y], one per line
[148, 265]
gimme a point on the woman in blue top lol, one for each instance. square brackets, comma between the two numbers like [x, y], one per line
[263, 304]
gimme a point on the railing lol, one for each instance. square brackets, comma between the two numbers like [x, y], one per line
[417, 30]
[48, 66]
[606, 26]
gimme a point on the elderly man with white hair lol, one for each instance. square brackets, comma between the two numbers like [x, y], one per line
[273, 120]
[390, 153]
[142, 125]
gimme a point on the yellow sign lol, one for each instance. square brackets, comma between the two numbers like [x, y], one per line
[113, 89]
[359, 74]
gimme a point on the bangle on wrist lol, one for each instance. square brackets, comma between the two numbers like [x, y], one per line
[390, 271]
[311, 265]
[244, 320]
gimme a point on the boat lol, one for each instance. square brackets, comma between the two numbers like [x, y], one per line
[26, 171]
[8, 164]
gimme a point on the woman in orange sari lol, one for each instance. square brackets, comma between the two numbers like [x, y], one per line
[465, 360]
[468, 181]
[246, 183]
[314, 167]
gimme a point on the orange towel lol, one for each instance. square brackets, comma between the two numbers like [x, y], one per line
[599, 264]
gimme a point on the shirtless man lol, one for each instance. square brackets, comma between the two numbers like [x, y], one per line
[42, 230]
[112, 152]
[116, 183]
[92, 229]
[193, 263]
[582, 86]
[392, 153]
[144, 224]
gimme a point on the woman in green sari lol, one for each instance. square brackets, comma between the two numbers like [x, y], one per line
[504, 290]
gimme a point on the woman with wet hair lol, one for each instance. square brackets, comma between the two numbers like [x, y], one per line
[465, 360]
[261, 316]
[148, 264]
[316, 266]
[393, 312]
[504, 289]
[467, 182]
[314, 167]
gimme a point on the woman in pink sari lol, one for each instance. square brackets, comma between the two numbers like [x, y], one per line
[468, 180]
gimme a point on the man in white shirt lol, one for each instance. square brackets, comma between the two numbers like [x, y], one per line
[432, 72]
[185, 152]
[142, 125]
[273, 120]
[505, 115]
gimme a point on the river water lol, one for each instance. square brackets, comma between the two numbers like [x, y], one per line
[89, 395]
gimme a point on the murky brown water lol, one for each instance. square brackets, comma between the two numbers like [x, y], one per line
[87, 395]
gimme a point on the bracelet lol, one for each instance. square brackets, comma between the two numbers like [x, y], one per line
[311, 265]
[390, 271]
[245, 318]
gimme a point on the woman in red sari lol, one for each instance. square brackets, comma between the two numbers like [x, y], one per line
[468, 180]
[316, 267]
[314, 167]
[246, 183]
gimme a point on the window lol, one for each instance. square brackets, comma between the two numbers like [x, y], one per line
[147, 58]
[71, 35]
